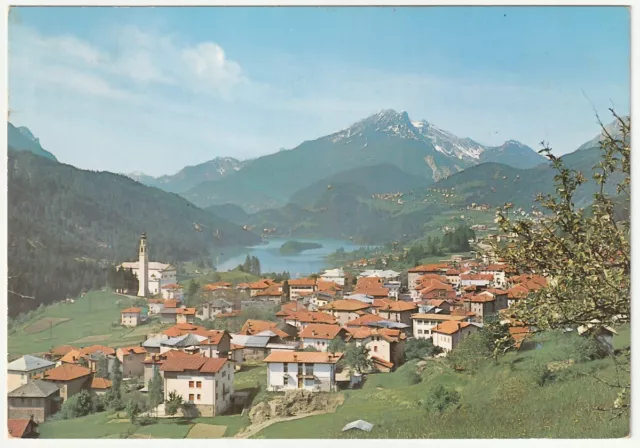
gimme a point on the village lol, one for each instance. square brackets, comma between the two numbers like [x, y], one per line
[330, 332]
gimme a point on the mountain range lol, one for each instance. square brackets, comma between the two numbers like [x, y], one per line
[417, 148]
[21, 139]
[191, 176]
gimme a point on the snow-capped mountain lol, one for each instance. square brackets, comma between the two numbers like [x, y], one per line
[191, 176]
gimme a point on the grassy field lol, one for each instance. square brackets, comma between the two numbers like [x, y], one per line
[503, 400]
[88, 321]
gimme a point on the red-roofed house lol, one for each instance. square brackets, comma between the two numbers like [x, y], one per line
[433, 289]
[130, 317]
[313, 371]
[345, 310]
[448, 335]
[485, 304]
[300, 287]
[70, 378]
[132, 359]
[22, 428]
[319, 336]
[172, 291]
[414, 273]
[395, 310]
[386, 346]
[205, 384]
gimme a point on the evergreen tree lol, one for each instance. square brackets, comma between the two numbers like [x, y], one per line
[192, 289]
[116, 378]
[102, 370]
[156, 396]
[246, 266]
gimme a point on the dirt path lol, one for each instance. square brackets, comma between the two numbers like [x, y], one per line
[254, 429]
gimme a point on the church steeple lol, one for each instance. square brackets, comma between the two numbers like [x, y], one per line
[143, 267]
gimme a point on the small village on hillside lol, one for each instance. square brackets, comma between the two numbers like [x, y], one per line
[322, 335]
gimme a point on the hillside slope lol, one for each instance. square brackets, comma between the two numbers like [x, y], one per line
[60, 216]
[383, 178]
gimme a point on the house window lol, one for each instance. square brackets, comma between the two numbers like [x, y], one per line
[419, 331]
[190, 397]
[198, 397]
[199, 384]
[190, 384]
[286, 368]
[308, 369]
[286, 379]
[375, 348]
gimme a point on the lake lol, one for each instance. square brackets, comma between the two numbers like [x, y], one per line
[271, 260]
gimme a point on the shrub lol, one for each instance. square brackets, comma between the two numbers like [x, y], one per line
[420, 348]
[81, 404]
[439, 399]
[145, 420]
[472, 353]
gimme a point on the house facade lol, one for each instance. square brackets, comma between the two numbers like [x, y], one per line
[130, 317]
[448, 335]
[312, 371]
[424, 323]
[345, 310]
[132, 359]
[319, 336]
[203, 383]
[37, 398]
[70, 379]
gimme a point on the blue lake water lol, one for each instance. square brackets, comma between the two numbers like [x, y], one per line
[271, 260]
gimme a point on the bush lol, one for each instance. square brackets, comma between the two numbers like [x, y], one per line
[420, 348]
[412, 377]
[472, 353]
[439, 399]
[145, 420]
[81, 404]
[587, 348]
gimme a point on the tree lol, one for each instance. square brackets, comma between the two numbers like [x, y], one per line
[358, 357]
[246, 266]
[587, 258]
[156, 396]
[173, 404]
[192, 289]
[310, 348]
[79, 405]
[584, 253]
[420, 348]
[102, 369]
[337, 345]
[133, 410]
[116, 378]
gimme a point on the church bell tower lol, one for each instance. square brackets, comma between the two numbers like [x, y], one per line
[143, 267]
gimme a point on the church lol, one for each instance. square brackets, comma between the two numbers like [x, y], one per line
[152, 276]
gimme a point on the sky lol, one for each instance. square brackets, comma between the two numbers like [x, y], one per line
[157, 89]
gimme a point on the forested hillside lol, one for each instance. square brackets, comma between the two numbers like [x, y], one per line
[66, 225]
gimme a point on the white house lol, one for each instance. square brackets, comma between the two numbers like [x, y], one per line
[448, 335]
[334, 275]
[130, 317]
[313, 371]
[204, 383]
[157, 274]
[23, 369]
[172, 291]
[386, 275]
[423, 323]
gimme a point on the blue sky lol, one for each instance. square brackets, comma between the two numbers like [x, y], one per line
[155, 89]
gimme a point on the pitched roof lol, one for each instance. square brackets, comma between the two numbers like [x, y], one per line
[397, 306]
[442, 317]
[131, 310]
[320, 331]
[62, 350]
[452, 272]
[372, 290]
[450, 327]
[186, 311]
[199, 364]
[134, 349]
[345, 305]
[185, 340]
[100, 383]
[304, 357]
[312, 317]
[428, 268]
[363, 320]
[66, 372]
[382, 362]
[171, 303]
[481, 298]
[158, 358]
[173, 286]
[486, 277]
[72, 357]
[97, 348]
[27, 363]
[254, 326]
[302, 282]
[388, 334]
[34, 389]
[324, 285]
[18, 426]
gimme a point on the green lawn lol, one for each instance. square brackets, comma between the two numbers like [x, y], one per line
[92, 426]
[503, 400]
[89, 323]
